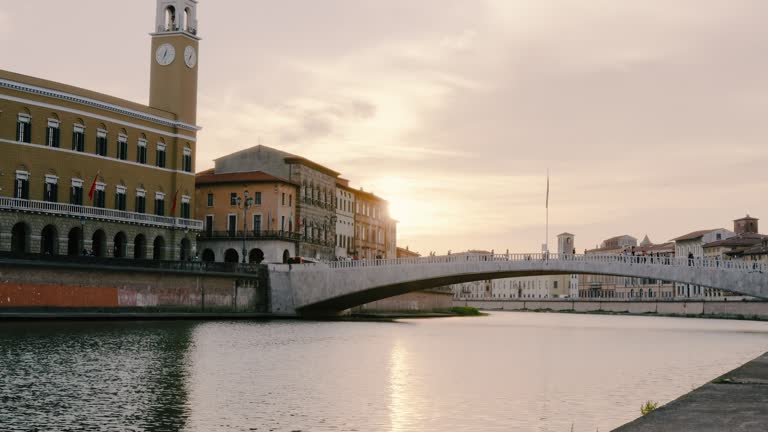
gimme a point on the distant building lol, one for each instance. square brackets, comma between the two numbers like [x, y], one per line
[375, 231]
[692, 245]
[533, 287]
[345, 219]
[407, 253]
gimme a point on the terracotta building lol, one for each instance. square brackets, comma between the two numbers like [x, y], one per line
[87, 171]
[249, 217]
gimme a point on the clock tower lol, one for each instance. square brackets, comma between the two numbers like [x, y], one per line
[173, 77]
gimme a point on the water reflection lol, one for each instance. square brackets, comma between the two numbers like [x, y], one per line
[509, 371]
[399, 374]
[93, 376]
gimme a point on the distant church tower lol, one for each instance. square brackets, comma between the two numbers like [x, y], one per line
[173, 77]
[565, 244]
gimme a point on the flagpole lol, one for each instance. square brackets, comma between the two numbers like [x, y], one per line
[546, 240]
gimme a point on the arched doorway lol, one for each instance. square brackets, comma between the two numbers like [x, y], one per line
[209, 256]
[256, 256]
[286, 256]
[158, 249]
[75, 242]
[186, 249]
[99, 247]
[20, 238]
[121, 245]
[49, 240]
[140, 247]
[231, 256]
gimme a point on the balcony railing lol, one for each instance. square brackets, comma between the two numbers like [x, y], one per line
[263, 235]
[77, 211]
[328, 205]
[181, 266]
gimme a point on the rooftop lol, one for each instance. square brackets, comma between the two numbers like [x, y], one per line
[694, 235]
[76, 94]
[209, 177]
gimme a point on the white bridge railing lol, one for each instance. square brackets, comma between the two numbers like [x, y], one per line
[735, 265]
[78, 211]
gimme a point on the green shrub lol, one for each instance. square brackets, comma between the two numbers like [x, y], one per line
[648, 407]
[466, 311]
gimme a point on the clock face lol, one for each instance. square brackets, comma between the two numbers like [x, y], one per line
[190, 57]
[165, 54]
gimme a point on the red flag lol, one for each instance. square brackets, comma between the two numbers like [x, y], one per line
[93, 186]
[175, 197]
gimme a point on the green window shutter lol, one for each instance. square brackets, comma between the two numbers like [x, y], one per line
[18, 131]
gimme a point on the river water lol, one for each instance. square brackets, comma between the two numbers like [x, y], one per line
[505, 372]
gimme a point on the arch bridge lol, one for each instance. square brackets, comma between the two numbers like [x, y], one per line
[327, 289]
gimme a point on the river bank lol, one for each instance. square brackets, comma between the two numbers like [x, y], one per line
[738, 310]
[736, 401]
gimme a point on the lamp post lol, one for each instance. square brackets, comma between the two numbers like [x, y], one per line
[244, 204]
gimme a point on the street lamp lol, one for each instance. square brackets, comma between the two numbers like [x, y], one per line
[244, 204]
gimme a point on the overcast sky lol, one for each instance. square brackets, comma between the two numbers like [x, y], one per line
[651, 115]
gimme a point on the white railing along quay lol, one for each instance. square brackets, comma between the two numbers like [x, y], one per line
[77, 211]
[734, 265]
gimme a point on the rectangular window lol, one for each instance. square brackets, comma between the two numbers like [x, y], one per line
[159, 203]
[209, 225]
[100, 196]
[160, 155]
[257, 224]
[141, 151]
[76, 194]
[51, 191]
[282, 223]
[101, 142]
[233, 198]
[231, 225]
[257, 198]
[290, 200]
[283, 201]
[122, 147]
[141, 201]
[186, 209]
[186, 161]
[120, 198]
[52, 134]
[78, 138]
[22, 185]
[24, 129]
[210, 200]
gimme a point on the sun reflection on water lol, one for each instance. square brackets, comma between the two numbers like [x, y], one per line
[400, 403]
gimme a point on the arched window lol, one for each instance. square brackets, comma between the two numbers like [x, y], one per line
[187, 19]
[170, 19]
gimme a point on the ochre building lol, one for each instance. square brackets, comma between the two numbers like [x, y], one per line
[87, 173]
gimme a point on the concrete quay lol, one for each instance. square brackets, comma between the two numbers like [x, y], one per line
[736, 401]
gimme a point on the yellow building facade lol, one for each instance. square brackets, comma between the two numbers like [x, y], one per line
[88, 173]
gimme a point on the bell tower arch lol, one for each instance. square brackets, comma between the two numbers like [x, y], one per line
[175, 44]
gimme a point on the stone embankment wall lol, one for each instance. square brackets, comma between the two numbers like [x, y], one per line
[745, 309]
[42, 288]
[420, 301]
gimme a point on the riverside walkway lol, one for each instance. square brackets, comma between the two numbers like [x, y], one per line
[737, 401]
